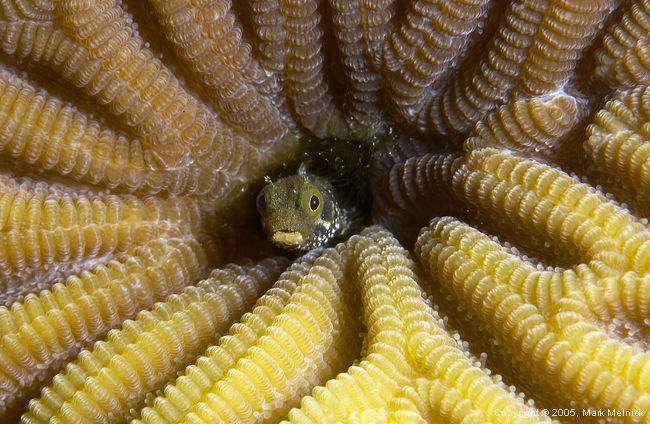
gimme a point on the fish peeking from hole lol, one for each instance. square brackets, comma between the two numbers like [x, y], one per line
[301, 212]
[326, 198]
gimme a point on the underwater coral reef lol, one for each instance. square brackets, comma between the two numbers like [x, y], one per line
[504, 275]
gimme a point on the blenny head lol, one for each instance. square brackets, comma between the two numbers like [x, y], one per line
[299, 212]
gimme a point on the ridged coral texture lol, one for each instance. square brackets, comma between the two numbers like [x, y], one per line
[504, 275]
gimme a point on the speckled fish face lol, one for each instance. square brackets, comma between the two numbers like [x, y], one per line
[299, 212]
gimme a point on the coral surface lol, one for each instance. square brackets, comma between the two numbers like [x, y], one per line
[505, 276]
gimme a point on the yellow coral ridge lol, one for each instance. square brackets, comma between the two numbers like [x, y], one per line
[412, 370]
[535, 126]
[209, 37]
[534, 53]
[623, 58]
[41, 331]
[303, 68]
[277, 353]
[430, 38]
[361, 30]
[271, 35]
[130, 80]
[407, 189]
[545, 201]
[290, 45]
[563, 348]
[131, 136]
[43, 227]
[507, 191]
[44, 131]
[551, 203]
[619, 140]
[38, 11]
[107, 382]
[192, 136]
[106, 57]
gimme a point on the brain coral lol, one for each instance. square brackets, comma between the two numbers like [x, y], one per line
[505, 278]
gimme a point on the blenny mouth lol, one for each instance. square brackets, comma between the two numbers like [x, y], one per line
[288, 238]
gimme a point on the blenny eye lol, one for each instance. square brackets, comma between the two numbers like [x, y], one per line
[314, 203]
[261, 203]
[311, 200]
